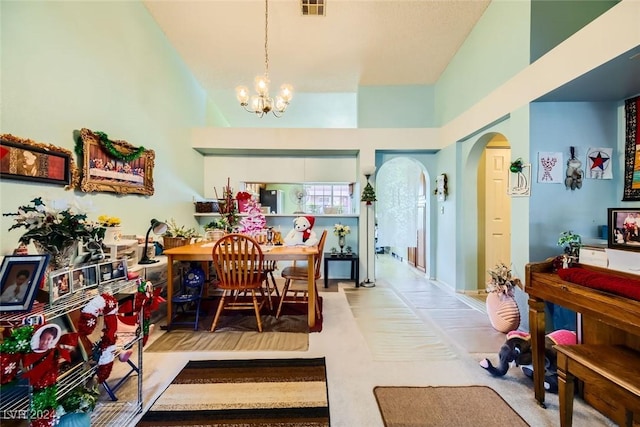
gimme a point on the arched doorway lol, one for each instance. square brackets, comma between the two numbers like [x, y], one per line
[403, 210]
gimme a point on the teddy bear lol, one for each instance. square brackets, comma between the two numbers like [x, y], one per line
[302, 233]
[517, 348]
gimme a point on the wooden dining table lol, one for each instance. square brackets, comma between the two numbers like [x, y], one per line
[203, 252]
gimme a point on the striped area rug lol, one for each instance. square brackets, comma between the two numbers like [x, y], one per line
[254, 392]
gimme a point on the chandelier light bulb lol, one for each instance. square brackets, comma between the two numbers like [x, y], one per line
[262, 86]
[281, 104]
[242, 93]
[286, 92]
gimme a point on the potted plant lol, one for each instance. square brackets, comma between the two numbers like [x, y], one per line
[502, 308]
[177, 235]
[571, 242]
[75, 408]
[55, 229]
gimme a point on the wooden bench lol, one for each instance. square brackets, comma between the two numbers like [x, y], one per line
[612, 368]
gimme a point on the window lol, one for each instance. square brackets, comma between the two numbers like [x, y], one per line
[328, 198]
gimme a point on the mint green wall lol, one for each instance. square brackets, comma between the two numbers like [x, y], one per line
[104, 66]
[552, 22]
[410, 106]
[307, 110]
[496, 49]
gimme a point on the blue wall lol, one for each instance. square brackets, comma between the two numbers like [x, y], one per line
[555, 127]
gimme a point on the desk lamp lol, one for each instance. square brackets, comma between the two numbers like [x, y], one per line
[158, 228]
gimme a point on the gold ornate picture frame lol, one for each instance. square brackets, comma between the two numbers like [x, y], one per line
[102, 170]
[26, 160]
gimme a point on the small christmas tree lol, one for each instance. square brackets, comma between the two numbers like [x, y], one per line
[255, 221]
[368, 195]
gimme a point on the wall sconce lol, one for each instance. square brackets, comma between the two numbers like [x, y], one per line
[158, 228]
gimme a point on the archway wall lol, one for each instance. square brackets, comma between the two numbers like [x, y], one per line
[468, 152]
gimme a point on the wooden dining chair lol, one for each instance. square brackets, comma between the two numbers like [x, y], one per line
[296, 287]
[238, 262]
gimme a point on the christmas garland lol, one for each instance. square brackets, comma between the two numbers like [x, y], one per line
[111, 148]
[104, 350]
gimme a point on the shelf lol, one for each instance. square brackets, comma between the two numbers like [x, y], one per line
[75, 301]
[347, 215]
[15, 400]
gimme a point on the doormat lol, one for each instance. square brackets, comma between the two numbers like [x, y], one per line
[445, 406]
[253, 392]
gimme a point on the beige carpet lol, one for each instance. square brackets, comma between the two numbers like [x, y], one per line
[445, 406]
[392, 330]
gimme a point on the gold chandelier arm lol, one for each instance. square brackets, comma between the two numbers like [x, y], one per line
[266, 38]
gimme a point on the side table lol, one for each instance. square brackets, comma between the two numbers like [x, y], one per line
[352, 258]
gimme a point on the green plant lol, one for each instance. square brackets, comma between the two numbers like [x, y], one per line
[54, 226]
[81, 399]
[217, 224]
[571, 242]
[175, 230]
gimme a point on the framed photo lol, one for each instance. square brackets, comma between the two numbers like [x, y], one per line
[84, 278]
[112, 271]
[102, 171]
[27, 160]
[20, 277]
[77, 353]
[60, 284]
[624, 228]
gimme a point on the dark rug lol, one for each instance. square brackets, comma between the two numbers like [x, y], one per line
[251, 393]
[465, 406]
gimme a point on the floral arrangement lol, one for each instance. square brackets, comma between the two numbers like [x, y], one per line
[109, 221]
[243, 195]
[341, 230]
[54, 227]
[502, 282]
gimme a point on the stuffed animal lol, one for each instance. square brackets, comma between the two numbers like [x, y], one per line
[302, 233]
[517, 348]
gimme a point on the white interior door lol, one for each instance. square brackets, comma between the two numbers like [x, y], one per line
[497, 208]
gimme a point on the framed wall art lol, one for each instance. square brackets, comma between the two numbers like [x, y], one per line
[115, 166]
[624, 228]
[631, 190]
[442, 189]
[20, 277]
[27, 160]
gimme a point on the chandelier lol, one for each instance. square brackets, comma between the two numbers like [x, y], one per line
[262, 103]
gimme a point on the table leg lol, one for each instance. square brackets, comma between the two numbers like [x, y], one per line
[357, 275]
[537, 327]
[169, 288]
[311, 289]
[326, 273]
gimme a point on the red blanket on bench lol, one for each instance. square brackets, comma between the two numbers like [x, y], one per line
[629, 288]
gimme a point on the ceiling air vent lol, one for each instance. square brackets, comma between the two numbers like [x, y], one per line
[313, 7]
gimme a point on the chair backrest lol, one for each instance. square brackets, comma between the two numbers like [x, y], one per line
[318, 259]
[238, 260]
